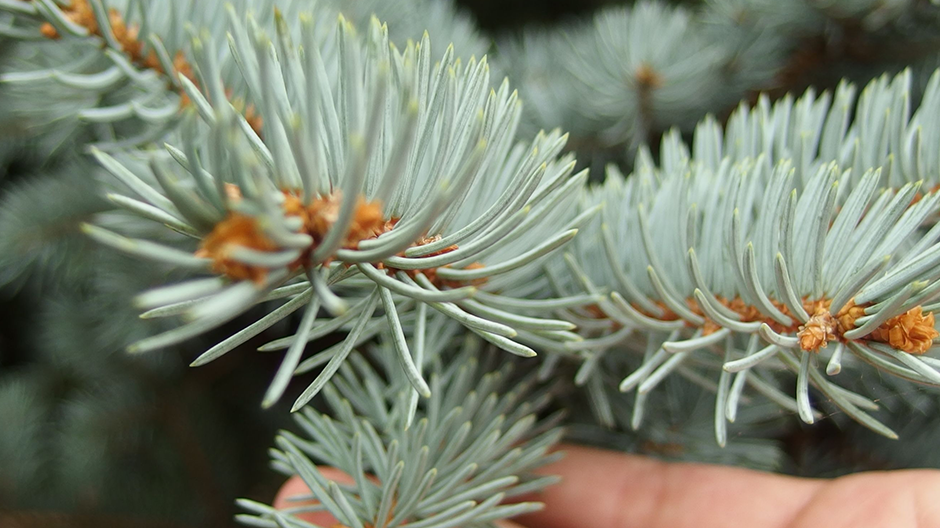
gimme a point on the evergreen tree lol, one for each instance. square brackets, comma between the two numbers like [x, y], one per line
[740, 275]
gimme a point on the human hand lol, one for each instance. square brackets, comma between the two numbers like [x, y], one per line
[604, 489]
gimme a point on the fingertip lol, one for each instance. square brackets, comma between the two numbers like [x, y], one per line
[604, 489]
[295, 493]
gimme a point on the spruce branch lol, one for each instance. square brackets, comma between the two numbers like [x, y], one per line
[627, 75]
[797, 239]
[392, 183]
[126, 70]
[473, 444]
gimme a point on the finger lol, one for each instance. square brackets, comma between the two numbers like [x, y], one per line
[890, 499]
[295, 488]
[603, 489]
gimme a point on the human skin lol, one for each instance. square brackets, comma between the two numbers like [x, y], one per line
[603, 489]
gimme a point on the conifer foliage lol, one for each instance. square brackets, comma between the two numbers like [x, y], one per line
[342, 186]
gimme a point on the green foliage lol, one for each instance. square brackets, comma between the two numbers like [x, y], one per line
[88, 427]
[31, 239]
[635, 71]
